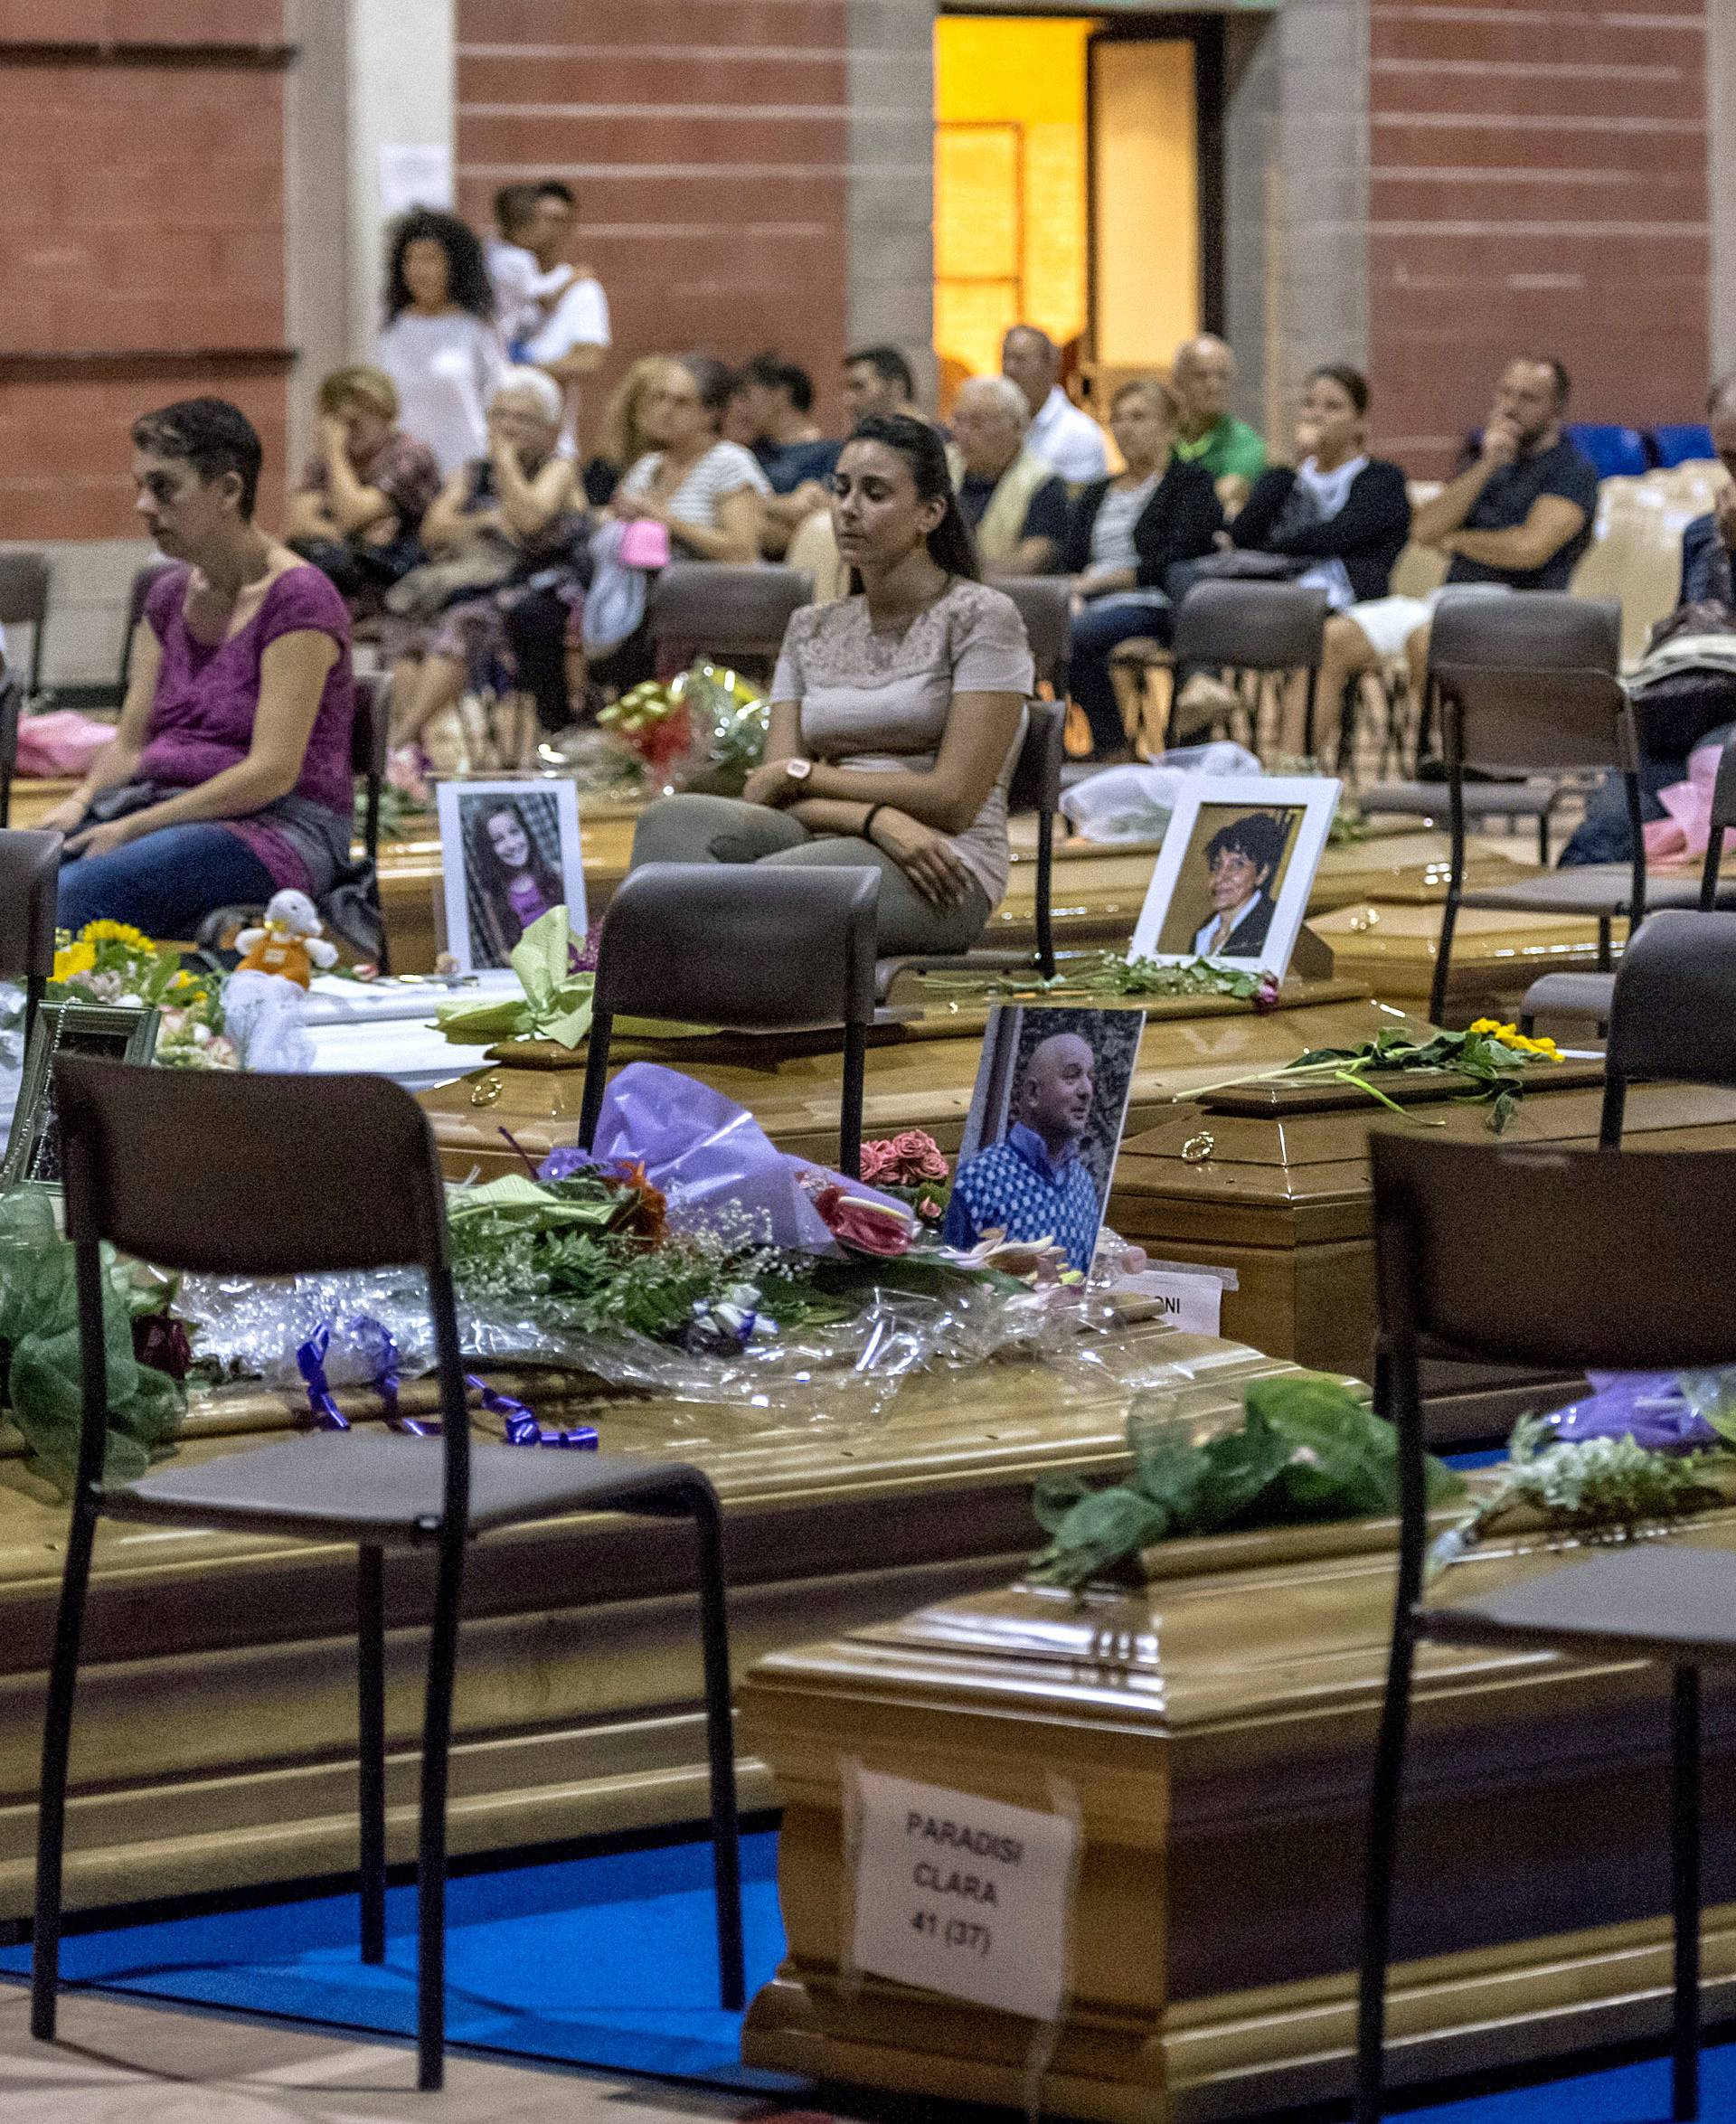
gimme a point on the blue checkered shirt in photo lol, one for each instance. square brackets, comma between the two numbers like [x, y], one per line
[1013, 1185]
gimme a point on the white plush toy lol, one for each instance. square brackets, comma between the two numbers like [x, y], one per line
[264, 998]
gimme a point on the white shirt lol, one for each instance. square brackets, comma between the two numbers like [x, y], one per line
[445, 370]
[1068, 438]
[581, 318]
[521, 287]
[1202, 936]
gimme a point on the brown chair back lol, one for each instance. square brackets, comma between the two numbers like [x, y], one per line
[24, 581]
[253, 1175]
[30, 872]
[722, 610]
[12, 706]
[1674, 1011]
[1530, 680]
[1533, 1255]
[1045, 604]
[1035, 785]
[142, 580]
[745, 946]
[1250, 626]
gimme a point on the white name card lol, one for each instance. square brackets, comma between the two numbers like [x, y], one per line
[1190, 1299]
[962, 1896]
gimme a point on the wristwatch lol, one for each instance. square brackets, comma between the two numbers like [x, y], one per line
[798, 771]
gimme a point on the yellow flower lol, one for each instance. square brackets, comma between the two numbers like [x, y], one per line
[108, 933]
[1511, 1036]
[73, 959]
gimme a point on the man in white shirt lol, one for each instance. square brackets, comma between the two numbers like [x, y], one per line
[525, 294]
[574, 337]
[1059, 432]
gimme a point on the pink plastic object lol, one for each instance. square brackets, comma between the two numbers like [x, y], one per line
[63, 743]
[644, 543]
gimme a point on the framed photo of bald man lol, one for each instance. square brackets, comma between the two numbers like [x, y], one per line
[1044, 1126]
[1232, 878]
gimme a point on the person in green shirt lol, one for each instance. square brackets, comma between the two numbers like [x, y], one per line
[1203, 376]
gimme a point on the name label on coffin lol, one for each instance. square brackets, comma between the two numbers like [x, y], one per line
[963, 1895]
[1189, 1299]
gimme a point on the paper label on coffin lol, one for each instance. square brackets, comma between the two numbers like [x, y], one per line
[1190, 1299]
[966, 1896]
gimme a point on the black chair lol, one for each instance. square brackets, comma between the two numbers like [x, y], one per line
[25, 580]
[30, 876]
[746, 946]
[12, 706]
[1592, 996]
[1035, 786]
[1045, 604]
[1532, 682]
[293, 1204]
[1577, 1304]
[1253, 626]
[370, 741]
[724, 609]
[1536, 800]
[1673, 1013]
[143, 579]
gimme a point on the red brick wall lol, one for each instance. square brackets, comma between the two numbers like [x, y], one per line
[144, 214]
[1538, 184]
[706, 142]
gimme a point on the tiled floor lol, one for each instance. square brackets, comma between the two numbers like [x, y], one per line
[121, 2063]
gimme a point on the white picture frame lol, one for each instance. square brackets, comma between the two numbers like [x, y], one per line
[487, 906]
[1299, 808]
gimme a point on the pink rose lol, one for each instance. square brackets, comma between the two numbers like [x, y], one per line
[876, 1160]
[933, 1166]
[914, 1145]
[870, 1227]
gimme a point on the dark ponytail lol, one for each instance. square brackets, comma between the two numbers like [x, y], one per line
[951, 545]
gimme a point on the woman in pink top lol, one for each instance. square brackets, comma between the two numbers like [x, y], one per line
[229, 773]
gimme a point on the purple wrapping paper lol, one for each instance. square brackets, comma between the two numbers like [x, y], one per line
[1646, 1406]
[711, 1159]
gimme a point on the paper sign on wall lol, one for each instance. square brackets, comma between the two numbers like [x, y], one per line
[413, 173]
[963, 1895]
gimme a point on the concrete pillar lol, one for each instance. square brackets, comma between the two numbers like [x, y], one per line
[890, 212]
[369, 73]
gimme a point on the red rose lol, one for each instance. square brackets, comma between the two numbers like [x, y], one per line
[160, 1341]
[870, 1227]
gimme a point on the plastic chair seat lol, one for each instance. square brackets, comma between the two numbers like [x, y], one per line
[389, 1488]
[1659, 1599]
[1573, 995]
[1482, 799]
[1592, 888]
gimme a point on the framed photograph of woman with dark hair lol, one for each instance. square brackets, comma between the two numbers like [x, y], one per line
[1233, 875]
[509, 852]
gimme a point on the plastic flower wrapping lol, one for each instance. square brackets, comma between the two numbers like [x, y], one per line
[686, 1257]
[705, 727]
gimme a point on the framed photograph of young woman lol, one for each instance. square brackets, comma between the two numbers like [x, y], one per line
[1233, 875]
[509, 852]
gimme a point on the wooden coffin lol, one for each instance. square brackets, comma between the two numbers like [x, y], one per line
[1393, 947]
[1282, 1197]
[1215, 1733]
[920, 1073]
[215, 1740]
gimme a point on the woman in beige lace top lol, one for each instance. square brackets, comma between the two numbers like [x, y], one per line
[896, 713]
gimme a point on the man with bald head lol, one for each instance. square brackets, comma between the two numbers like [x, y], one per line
[1033, 1185]
[1204, 377]
[1009, 495]
[1060, 431]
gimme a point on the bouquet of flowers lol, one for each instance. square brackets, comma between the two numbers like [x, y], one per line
[708, 716]
[912, 1168]
[113, 964]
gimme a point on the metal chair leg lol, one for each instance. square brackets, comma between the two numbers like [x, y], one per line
[1684, 1871]
[371, 1666]
[1386, 1799]
[57, 1746]
[1443, 960]
[431, 1866]
[719, 1740]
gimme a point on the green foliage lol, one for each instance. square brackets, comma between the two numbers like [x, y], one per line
[41, 1375]
[1107, 973]
[1499, 1071]
[1597, 1489]
[1307, 1449]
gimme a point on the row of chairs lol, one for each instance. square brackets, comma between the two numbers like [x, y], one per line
[1579, 1220]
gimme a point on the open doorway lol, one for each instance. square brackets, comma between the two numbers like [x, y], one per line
[1075, 187]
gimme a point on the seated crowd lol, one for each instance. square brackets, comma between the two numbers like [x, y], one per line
[446, 509]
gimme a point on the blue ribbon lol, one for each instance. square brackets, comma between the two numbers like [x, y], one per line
[310, 1361]
[523, 1428]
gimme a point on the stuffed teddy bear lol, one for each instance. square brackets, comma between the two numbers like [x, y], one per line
[264, 997]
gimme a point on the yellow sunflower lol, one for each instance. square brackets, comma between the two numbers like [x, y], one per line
[108, 933]
[73, 959]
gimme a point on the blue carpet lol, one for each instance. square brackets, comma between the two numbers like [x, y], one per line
[1623, 2094]
[608, 1961]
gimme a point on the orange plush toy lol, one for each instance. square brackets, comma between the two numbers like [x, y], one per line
[289, 945]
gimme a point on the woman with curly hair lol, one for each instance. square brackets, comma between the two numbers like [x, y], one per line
[440, 345]
[1242, 861]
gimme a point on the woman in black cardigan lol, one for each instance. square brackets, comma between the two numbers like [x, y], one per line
[1344, 514]
[1124, 536]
